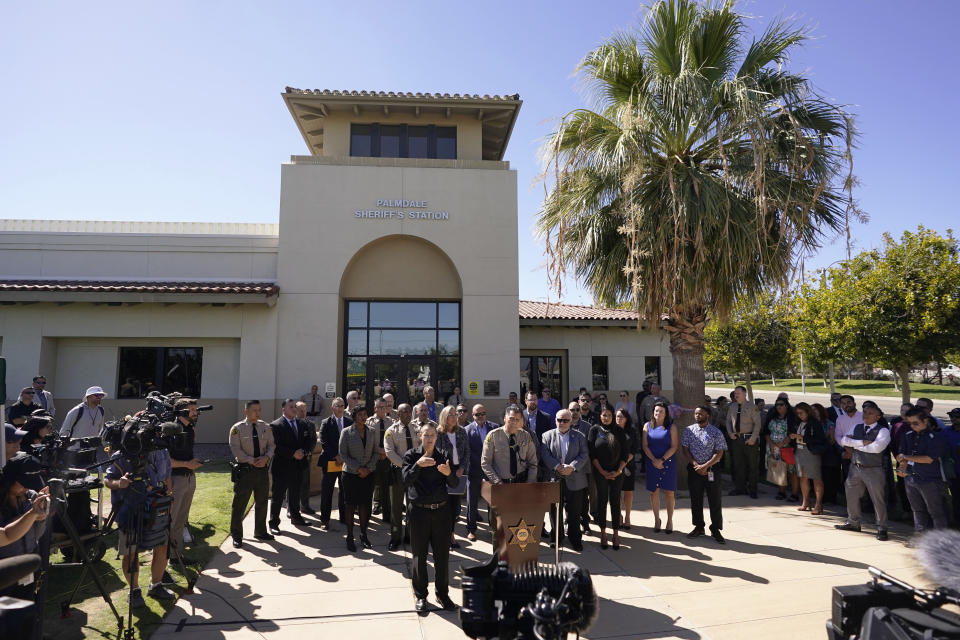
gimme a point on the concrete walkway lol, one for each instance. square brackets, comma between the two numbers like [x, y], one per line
[773, 577]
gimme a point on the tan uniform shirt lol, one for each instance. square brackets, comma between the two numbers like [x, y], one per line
[750, 419]
[495, 458]
[241, 441]
[395, 442]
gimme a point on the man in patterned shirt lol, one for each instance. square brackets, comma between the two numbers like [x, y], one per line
[704, 445]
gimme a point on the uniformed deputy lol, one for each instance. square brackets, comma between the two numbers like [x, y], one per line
[510, 452]
[509, 455]
[381, 497]
[423, 416]
[401, 437]
[251, 442]
[426, 475]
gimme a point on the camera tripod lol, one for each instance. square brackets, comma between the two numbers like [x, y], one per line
[58, 503]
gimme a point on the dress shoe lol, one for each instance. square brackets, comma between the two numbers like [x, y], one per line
[365, 541]
[377, 510]
[472, 537]
[264, 537]
[454, 545]
[300, 522]
[447, 603]
[274, 530]
[847, 526]
[577, 546]
[882, 535]
[406, 539]
[308, 511]
[421, 606]
[696, 533]
[325, 526]
[351, 545]
[736, 492]
[718, 536]
[237, 543]
[393, 546]
[616, 544]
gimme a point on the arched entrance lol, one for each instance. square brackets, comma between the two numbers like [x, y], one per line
[401, 310]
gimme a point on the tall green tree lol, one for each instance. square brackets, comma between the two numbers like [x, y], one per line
[703, 171]
[755, 336]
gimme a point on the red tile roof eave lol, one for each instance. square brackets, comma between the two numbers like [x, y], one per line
[64, 286]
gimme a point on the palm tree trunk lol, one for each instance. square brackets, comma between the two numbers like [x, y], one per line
[685, 327]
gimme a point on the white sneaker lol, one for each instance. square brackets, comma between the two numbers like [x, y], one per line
[187, 538]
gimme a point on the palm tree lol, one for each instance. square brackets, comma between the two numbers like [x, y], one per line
[704, 173]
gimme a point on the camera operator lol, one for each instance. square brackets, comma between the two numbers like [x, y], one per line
[20, 411]
[24, 503]
[127, 495]
[37, 427]
[183, 464]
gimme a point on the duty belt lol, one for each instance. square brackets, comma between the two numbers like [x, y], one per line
[433, 506]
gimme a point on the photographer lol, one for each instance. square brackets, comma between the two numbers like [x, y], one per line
[183, 464]
[37, 427]
[128, 493]
[24, 502]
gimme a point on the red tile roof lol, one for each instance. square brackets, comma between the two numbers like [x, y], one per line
[530, 310]
[113, 286]
[401, 94]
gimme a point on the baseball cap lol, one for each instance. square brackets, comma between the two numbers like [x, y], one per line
[954, 412]
[25, 469]
[95, 391]
[13, 434]
[29, 390]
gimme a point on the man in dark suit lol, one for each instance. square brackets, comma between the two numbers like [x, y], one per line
[476, 433]
[294, 441]
[537, 421]
[330, 430]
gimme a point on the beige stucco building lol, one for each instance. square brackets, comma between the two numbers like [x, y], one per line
[393, 265]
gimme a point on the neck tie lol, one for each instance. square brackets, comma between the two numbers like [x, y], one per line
[340, 424]
[293, 425]
[406, 432]
[513, 456]
[42, 398]
[313, 404]
[383, 433]
[256, 441]
[736, 426]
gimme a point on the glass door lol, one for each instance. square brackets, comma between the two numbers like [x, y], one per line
[403, 376]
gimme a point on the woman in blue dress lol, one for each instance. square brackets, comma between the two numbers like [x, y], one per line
[660, 443]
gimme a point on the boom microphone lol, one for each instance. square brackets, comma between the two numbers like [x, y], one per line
[12, 569]
[938, 551]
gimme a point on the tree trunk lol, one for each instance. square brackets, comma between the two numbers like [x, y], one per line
[833, 379]
[685, 328]
[904, 373]
[749, 386]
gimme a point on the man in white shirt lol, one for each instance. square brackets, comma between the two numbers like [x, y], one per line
[867, 443]
[86, 419]
[847, 420]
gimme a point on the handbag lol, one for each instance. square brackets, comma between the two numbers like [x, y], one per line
[776, 471]
[787, 455]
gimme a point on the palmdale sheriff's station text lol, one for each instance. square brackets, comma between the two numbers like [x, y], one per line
[393, 210]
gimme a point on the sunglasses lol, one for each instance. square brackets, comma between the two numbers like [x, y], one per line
[461, 410]
[563, 420]
[27, 393]
[480, 414]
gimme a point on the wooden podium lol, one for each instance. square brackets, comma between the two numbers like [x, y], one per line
[520, 509]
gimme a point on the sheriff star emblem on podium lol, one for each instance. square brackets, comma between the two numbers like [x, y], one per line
[523, 534]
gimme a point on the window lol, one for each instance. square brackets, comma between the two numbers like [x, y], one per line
[651, 366]
[164, 369]
[601, 378]
[403, 141]
[541, 372]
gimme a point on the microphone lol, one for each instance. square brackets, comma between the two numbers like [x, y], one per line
[205, 407]
[12, 569]
[938, 551]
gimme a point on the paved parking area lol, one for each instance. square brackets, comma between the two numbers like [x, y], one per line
[772, 578]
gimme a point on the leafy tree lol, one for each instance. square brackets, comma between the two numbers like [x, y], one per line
[755, 336]
[705, 169]
[906, 307]
[896, 307]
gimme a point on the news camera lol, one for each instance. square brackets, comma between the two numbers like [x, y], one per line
[154, 427]
[542, 602]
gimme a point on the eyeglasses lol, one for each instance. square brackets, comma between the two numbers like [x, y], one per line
[461, 410]
[563, 420]
[480, 414]
[41, 382]
[623, 395]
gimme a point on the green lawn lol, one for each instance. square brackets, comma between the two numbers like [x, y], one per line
[90, 617]
[853, 387]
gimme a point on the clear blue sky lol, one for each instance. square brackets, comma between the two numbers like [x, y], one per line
[172, 111]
